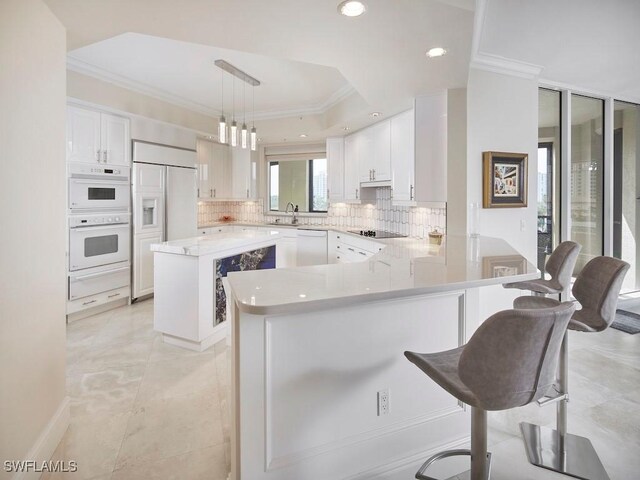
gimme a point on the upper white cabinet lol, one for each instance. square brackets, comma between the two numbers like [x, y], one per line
[225, 173]
[244, 168]
[335, 162]
[403, 158]
[96, 137]
[213, 170]
[431, 148]
[351, 169]
[375, 153]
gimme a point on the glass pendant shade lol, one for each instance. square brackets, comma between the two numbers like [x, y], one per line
[222, 130]
[254, 139]
[234, 134]
[243, 136]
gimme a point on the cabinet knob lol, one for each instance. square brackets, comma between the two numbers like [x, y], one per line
[104, 156]
[411, 193]
[374, 173]
[214, 193]
[356, 193]
[98, 155]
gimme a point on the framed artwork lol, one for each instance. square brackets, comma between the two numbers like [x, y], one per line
[504, 180]
[503, 266]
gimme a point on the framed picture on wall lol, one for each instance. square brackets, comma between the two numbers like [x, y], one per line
[504, 180]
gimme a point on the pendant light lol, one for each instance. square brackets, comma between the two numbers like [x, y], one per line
[228, 133]
[243, 132]
[222, 124]
[234, 125]
[254, 135]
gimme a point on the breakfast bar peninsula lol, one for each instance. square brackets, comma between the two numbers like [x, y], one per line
[320, 386]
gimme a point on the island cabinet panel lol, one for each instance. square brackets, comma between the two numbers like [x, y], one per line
[309, 383]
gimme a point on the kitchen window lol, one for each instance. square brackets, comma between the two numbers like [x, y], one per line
[300, 181]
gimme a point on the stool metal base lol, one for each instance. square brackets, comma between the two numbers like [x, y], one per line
[572, 455]
[420, 475]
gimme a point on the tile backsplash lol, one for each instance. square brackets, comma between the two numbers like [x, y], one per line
[415, 222]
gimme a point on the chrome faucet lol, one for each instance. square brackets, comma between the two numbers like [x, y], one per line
[294, 213]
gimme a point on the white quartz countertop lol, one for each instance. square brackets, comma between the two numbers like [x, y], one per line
[405, 267]
[214, 244]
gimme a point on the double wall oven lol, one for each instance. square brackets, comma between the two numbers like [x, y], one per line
[99, 234]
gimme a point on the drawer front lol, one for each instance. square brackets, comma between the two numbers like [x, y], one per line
[81, 286]
[74, 306]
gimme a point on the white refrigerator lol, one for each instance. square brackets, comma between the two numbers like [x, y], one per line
[164, 191]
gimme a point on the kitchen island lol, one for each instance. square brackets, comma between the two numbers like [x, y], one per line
[314, 348]
[189, 299]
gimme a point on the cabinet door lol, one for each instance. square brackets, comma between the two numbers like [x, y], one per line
[218, 172]
[115, 139]
[351, 170]
[381, 151]
[204, 153]
[402, 158]
[243, 174]
[364, 140]
[143, 270]
[431, 148]
[83, 135]
[335, 163]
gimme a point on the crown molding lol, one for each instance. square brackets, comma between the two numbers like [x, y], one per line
[578, 90]
[99, 73]
[495, 63]
[506, 66]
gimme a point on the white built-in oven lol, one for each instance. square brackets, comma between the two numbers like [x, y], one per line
[98, 239]
[98, 188]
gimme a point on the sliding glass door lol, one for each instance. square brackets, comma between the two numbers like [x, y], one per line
[626, 189]
[587, 177]
[548, 174]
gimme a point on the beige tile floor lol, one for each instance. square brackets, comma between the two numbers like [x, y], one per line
[141, 409]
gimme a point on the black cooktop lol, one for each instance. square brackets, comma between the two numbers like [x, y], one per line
[377, 233]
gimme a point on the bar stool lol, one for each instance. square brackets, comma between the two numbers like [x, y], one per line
[509, 361]
[559, 265]
[596, 289]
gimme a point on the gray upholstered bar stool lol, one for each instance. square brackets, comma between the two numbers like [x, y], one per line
[596, 289]
[509, 361]
[559, 265]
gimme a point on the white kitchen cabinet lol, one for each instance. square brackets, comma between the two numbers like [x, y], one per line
[431, 112]
[351, 169]
[97, 137]
[403, 158]
[335, 163]
[347, 248]
[143, 257]
[311, 247]
[244, 174]
[214, 172]
[375, 153]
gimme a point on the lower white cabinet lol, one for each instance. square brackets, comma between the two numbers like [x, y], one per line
[85, 303]
[143, 257]
[345, 248]
[311, 247]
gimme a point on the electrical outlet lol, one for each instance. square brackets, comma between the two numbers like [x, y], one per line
[383, 402]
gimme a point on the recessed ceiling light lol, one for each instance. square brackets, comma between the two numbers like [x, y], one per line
[351, 8]
[303, 135]
[436, 52]
[375, 114]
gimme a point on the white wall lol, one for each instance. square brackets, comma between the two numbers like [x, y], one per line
[502, 115]
[32, 218]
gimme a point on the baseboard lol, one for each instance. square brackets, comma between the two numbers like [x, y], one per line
[48, 440]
